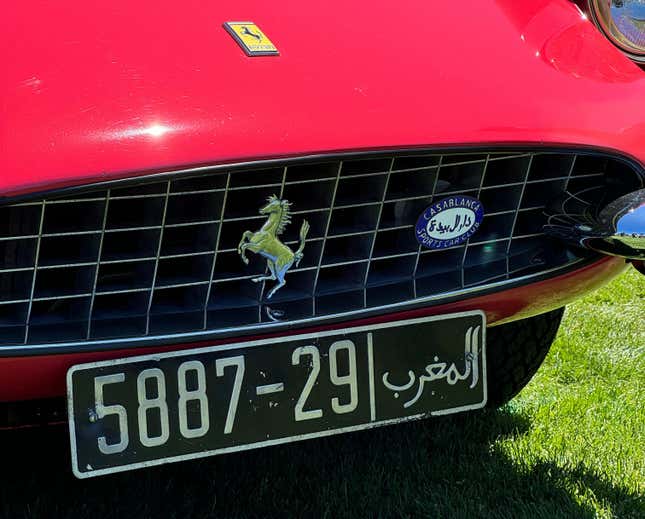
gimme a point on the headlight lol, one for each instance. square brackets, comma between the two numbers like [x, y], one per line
[623, 21]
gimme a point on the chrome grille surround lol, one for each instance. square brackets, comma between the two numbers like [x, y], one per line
[153, 259]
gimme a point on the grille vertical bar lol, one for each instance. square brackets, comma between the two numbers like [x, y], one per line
[98, 264]
[215, 251]
[324, 239]
[35, 270]
[376, 228]
[463, 258]
[420, 247]
[524, 183]
[156, 267]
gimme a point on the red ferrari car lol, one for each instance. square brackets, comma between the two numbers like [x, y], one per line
[230, 225]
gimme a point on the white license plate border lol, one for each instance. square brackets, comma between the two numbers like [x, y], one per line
[277, 441]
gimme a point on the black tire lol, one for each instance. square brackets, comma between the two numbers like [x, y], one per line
[515, 351]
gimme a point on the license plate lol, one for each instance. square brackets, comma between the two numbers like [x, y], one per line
[143, 411]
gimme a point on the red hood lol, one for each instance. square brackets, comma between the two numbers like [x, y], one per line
[100, 90]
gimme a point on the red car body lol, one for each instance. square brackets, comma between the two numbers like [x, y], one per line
[113, 90]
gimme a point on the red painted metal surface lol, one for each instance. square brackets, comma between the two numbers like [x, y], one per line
[25, 378]
[102, 90]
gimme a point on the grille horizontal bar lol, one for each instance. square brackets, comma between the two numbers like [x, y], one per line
[159, 257]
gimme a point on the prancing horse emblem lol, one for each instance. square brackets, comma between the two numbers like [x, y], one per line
[248, 32]
[266, 243]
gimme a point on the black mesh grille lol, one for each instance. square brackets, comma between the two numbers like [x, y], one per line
[160, 257]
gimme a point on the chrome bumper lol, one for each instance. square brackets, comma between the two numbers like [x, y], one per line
[618, 230]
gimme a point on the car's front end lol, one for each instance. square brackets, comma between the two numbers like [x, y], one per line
[170, 198]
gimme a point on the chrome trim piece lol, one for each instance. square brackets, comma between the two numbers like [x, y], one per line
[619, 229]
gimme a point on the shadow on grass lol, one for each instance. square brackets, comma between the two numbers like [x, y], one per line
[448, 467]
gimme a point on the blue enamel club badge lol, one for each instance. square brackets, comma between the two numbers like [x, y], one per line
[449, 222]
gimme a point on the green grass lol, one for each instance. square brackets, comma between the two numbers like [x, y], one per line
[572, 444]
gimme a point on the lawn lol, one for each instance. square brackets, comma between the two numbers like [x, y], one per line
[572, 444]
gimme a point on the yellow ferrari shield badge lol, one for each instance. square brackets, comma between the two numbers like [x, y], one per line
[252, 40]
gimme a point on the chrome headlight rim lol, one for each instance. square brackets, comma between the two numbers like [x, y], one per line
[601, 21]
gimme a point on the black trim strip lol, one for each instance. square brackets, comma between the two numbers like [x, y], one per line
[173, 174]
